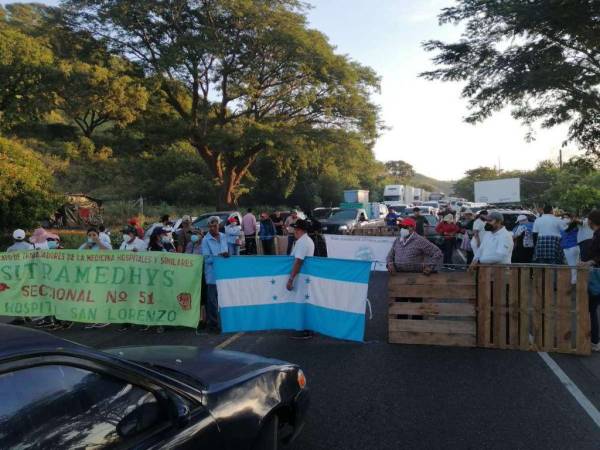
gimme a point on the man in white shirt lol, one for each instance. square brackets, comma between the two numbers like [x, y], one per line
[479, 232]
[546, 232]
[303, 248]
[19, 245]
[131, 242]
[498, 244]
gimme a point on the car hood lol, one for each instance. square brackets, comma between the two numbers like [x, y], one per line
[209, 367]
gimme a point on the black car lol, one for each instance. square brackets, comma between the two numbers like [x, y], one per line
[56, 394]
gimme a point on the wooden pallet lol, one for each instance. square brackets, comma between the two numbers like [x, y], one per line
[438, 309]
[533, 308]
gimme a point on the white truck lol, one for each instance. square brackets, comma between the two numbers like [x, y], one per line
[507, 190]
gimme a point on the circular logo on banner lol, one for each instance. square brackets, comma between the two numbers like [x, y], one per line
[185, 301]
[364, 253]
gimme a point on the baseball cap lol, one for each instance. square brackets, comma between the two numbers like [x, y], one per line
[301, 224]
[522, 217]
[408, 222]
[494, 215]
[18, 235]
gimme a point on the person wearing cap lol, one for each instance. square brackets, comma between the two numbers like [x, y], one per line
[249, 229]
[497, 247]
[131, 241]
[266, 233]
[40, 237]
[160, 241]
[214, 245]
[290, 230]
[448, 230]
[194, 247]
[523, 239]
[419, 220]
[411, 252]
[19, 244]
[304, 247]
[546, 233]
[184, 234]
[233, 234]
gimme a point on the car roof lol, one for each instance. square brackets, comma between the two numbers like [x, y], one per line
[22, 340]
[511, 211]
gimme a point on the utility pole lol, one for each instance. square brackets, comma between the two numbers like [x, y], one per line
[560, 159]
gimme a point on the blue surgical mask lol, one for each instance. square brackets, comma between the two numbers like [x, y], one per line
[52, 245]
[194, 238]
[165, 240]
[90, 240]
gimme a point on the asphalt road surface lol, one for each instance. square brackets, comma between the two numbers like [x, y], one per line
[376, 395]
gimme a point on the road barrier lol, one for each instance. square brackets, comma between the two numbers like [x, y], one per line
[523, 307]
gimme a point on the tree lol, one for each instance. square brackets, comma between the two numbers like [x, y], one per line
[26, 186]
[24, 63]
[243, 76]
[542, 57]
[93, 95]
[400, 170]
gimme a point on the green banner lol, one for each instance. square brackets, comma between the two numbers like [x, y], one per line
[146, 288]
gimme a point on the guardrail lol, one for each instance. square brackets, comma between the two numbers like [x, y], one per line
[523, 307]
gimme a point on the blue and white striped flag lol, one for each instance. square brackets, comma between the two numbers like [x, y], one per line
[329, 295]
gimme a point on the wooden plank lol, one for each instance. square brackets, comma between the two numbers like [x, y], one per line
[447, 339]
[524, 299]
[433, 326]
[513, 308]
[433, 309]
[549, 310]
[462, 278]
[484, 294]
[537, 297]
[433, 291]
[499, 308]
[584, 344]
[564, 290]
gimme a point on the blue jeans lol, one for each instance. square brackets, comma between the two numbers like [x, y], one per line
[212, 306]
[234, 249]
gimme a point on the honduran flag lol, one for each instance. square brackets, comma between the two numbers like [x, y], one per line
[329, 295]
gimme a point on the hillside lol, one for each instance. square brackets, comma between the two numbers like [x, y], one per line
[439, 185]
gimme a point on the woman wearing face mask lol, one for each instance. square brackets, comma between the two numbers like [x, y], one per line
[94, 242]
[131, 241]
[448, 230]
[194, 247]
[160, 242]
[568, 242]
[594, 284]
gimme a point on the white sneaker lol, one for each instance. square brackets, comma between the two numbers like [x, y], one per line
[596, 347]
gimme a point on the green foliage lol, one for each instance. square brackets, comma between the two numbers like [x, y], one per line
[401, 171]
[245, 77]
[26, 194]
[465, 186]
[539, 56]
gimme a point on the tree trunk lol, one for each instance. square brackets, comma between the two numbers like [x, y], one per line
[225, 197]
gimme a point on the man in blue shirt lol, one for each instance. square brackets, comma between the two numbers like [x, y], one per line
[214, 244]
[391, 220]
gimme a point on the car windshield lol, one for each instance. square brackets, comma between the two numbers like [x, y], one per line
[323, 213]
[433, 204]
[344, 214]
[202, 221]
[391, 198]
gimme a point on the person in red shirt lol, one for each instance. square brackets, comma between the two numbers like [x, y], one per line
[448, 230]
[135, 222]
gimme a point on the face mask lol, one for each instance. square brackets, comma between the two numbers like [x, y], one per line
[52, 245]
[194, 238]
[489, 227]
[404, 233]
[90, 240]
[165, 240]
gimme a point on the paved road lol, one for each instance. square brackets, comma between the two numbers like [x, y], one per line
[381, 396]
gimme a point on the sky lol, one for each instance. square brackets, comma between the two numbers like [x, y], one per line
[425, 118]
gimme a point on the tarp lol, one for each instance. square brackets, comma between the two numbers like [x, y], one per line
[102, 286]
[329, 295]
[365, 248]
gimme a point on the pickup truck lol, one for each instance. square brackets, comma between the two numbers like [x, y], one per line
[347, 219]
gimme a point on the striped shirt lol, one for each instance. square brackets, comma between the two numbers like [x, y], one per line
[412, 254]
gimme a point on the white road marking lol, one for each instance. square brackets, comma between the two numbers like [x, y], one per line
[229, 340]
[579, 396]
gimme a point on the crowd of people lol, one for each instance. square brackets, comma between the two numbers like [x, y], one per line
[549, 239]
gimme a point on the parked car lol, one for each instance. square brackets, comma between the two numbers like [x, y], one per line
[402, 210]
[429, 229]
[347, 219]
[201, 222]
[57, 394]
[510, 216]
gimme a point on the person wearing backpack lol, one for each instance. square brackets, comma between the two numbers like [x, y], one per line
[524, 243]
